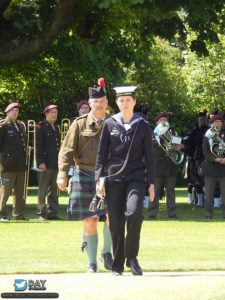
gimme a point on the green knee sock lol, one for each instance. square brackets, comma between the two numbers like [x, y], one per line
[107, 239]
[91, 248]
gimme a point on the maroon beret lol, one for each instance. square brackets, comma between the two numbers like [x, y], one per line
[216, 117]
[11, 105]
[51, 106]
[80, 103]
[161, 115]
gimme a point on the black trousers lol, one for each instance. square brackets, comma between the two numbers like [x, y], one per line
[125, 203]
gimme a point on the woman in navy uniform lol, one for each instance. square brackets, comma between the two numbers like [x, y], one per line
[125, 191]
[13, 162]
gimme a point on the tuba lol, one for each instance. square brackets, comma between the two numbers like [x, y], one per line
[216, 144]
[165, 140]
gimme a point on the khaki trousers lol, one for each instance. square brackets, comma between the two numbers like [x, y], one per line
[169, 183]
[15, 184]
[210, 184]
[47, 187]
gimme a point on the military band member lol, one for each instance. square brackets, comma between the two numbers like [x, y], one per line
[165, 174]
[217, 199]
[125, 186]
[213, 169]
[193, 149]
[48, 144]
[80, 146]
[83, 108]
[13, 162]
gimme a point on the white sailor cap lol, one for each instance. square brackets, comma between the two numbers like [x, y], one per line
[125, 90]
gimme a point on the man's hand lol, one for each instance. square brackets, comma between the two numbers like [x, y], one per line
[62, 183]
[151, 191]
[178, 147]
[42, 167]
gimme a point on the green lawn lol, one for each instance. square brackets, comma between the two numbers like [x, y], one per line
[190, 243]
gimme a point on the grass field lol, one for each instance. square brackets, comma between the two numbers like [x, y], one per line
[190, 243]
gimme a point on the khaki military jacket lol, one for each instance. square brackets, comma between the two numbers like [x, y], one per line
[83, 130]
[12, 145]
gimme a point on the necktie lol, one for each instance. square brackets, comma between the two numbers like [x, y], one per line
[100, 122]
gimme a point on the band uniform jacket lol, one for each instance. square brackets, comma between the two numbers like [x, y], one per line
[12, 145]
[48, 144]
[210, 167]
[114, 145]
[164, 166]
[84, 129]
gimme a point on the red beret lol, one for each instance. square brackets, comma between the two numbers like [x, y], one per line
[51, 106]
[80, 103]
[161, 115]
[216, 117]
[10, 106]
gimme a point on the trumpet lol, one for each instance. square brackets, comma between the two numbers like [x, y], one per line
[64, 128]
[31, 129]
[164, 139]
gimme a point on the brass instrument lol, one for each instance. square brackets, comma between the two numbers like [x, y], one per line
[216, 144]
[110, 110]
[64, 128]
[31, 129]
[164, 139]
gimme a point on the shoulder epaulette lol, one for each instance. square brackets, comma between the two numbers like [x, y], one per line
[38, 125]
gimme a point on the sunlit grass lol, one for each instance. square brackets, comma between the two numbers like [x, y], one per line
[189, 243]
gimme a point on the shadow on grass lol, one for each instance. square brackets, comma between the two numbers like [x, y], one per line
[185, 213]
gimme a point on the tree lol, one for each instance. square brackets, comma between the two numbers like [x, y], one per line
[162, 87]
[30, 27]
[205, 78]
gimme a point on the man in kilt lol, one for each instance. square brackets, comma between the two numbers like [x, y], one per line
[80, 146]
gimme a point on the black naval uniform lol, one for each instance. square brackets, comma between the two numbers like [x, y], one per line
[165, 175]
[125, 192]
[213, 171]
[13, 166]
[48, 144]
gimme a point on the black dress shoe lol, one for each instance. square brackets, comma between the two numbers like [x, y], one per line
[106, 258]
[92, 268]
[134, 265]
[116, 273]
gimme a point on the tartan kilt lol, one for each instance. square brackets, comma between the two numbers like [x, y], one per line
[82, 193]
